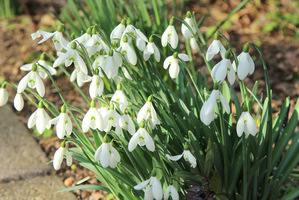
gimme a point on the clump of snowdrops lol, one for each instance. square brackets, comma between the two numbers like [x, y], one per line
[145, 139]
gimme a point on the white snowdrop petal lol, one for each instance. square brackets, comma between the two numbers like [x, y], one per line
[69, 158]
[183, 56]
[240, 125]
[32, 120]
[4, 97]
[46, 36]
[23, 83]
[225, 104]
[141, 185]
[40, 86]
[133, 142]
[174, 158]
[58, 157]
[174, 39]
[251, 125]
[164, 38]
[157, 188]
[105, 157]
[168, 61]
[212, 50]
[174, 70]
[98, 153]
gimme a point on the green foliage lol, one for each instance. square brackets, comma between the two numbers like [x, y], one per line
[46, 134]
[8, 8]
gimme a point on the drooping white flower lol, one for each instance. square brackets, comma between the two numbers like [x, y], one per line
[129, 30]
[186, 32]
[140, 40]
[111, 64]
[97, 63]
[246, 124]
[148, 112]
[170, 36]
[171, 192]
[71, 56]
[118, 31]
[113, 119]
[40, 119]
[187, 156]
[107, 155]
[95, 44]
[126, 73]
[80, 76]
[215, 47]
[63, 123]
[246, 65]
[150, 49]
[153, 188]
[33, 80]
[96, 86]
[128, 124]
[193, 43]
[141, 138]
[18, 102]
[120, 98]
[128, 52]
[173, 63]
[61, 153]
[92, 119]
[58, 39]
[224, 68]
[207, 112]
[3, 95]
[41, 72]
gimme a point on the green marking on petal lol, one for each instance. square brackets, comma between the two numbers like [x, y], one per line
[93, 118]
[97, 43]
[31, 81]
[149, 111]
[169, 35]
[56, 41]
[245, 121]
[64, 155]
[228, 69]
[111, 118]
[117, 99]
[72, 59]
[127, 123]
[140, 137]
[66, 121]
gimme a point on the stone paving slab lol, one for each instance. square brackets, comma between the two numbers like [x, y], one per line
[38, 188]
[20, 155]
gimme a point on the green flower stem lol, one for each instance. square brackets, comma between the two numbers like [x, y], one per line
[156, 13]
[76, 85]
[244, 156]
[224, 147]
[189, 52]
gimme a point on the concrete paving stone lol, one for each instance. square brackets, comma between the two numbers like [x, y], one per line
[38, 188]
[20, 155]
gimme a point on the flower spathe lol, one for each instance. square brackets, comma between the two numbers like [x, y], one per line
[3, 96]
[40, 119]
[63, 125]
[187, 156]
[173, 63]
[171, 192]
[246, 124]
[153, 188]
[141, 138]
[107, 155]
[18, 102]
[61, 153]
[222, 69]
[207, 112]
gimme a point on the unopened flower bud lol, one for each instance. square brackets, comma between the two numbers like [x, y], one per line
[74, 45]
[34, 67]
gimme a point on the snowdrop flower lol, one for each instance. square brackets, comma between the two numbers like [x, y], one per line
[33, 80]
[58, 39]
[148, 112]
[128, 123]
[41, 72]
[246, 124]
[215, 47]
[129, 29]
[207, 112]
[82, 39]
[193, 43]
[140, 40]
[96, 86]
[40, 119]
[141, 137]
[63, 123]
[92, 119]
[170, 36]
[95, 43]
[80, 76]
[128, 52]
[107, 155]
[61, 153]
[71, 56]
[118, 31]
[18, 102]
[224, 68]
[153, 188]
[3, 95]
[126, 73]
[246, 65]
[111, 64]
[186, 32]
[173, 61]
[98, 62]
[113, 119]
[120, 98]
[187, 156]
[171, 191]
[150, 49]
